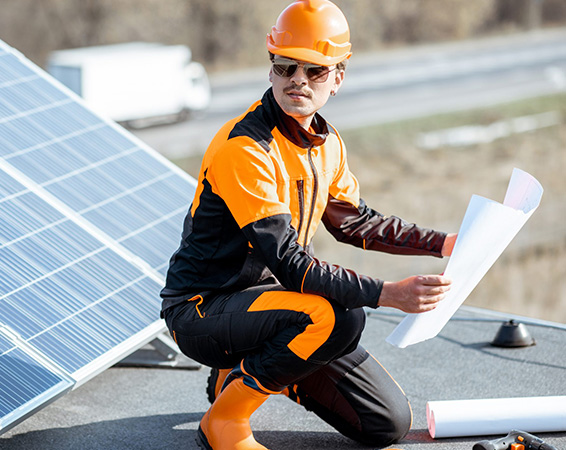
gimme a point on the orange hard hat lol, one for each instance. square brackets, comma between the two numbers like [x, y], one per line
[314, 31]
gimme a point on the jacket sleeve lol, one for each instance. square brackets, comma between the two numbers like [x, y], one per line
[365, 228]
[276, 241]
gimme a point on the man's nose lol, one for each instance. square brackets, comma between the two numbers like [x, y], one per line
[299, 77]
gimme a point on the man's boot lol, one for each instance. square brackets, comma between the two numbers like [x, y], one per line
[218, 376]
[226, 424]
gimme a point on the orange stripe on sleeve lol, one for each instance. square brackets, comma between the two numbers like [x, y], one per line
[305, 276]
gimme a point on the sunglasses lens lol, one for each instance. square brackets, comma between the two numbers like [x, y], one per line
[285, 69]
[317, 73]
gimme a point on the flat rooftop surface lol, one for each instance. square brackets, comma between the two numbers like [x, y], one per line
[145, 408]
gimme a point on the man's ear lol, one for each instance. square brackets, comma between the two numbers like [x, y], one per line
[338, 80]
[271, 75]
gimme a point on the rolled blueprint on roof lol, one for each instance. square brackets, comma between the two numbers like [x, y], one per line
[486, 230]
[455, 418]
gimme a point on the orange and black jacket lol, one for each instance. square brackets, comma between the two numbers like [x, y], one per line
[264, 186]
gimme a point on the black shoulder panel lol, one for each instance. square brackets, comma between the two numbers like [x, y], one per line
[257, 125]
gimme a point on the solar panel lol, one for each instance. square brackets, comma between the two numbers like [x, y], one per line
[89, 217]
[41, 384]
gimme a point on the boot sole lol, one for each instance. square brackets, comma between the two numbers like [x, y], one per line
[202, 441]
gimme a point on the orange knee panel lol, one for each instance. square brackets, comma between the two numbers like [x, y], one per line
[317, 308]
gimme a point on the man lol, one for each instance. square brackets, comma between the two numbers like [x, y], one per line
[244, 294]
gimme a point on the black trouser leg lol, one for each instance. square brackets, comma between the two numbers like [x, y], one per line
[359, 398]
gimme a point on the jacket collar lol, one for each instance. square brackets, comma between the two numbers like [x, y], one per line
[291, 129]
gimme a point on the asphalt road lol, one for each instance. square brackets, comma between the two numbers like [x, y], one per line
[395, 85]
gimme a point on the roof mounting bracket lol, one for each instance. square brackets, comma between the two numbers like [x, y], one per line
[161, 353]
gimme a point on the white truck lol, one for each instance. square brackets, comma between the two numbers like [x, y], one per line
[131, 83]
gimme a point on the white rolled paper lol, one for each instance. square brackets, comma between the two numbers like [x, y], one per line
[484, 417]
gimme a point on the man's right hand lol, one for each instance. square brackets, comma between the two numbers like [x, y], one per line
[416, 294]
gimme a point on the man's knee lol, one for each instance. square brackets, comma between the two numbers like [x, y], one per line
[382, 409]
[389, 427]
[348, 328]
[401, 421]
[333, 330]
[387, 417]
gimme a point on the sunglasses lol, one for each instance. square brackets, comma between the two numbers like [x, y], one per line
[287, 67]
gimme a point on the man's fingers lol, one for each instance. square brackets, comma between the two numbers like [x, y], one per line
[427, 307]
[432, 290]
[439, 290]
[429, 299]
[434, 295]
[434, 280]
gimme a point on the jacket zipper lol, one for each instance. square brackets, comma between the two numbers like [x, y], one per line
[301, 193]
[314, 195]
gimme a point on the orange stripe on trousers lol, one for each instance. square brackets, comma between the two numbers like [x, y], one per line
[317, 308]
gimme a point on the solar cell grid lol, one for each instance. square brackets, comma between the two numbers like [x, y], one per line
[50, 248]
[21, 396]
[12, 69]
[9, 187]
[100, 190]
[63, 253]
[88, 220]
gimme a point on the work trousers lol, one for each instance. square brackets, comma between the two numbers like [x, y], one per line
[300, 341]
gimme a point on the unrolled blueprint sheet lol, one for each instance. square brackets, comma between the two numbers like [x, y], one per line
[488, 227]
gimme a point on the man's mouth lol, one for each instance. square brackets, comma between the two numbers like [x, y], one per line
[296, 94]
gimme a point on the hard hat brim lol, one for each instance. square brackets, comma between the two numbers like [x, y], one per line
[307, 55]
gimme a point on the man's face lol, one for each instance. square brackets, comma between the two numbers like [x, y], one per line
[301, 89]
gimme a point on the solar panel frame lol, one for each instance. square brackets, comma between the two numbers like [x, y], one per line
[73, 173]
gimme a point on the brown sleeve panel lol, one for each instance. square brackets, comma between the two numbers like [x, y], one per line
[371, 230]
